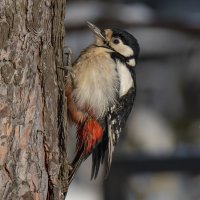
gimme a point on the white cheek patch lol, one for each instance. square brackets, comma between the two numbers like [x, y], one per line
[126, 50]
[126, 81]
[122, 49]
[131, 62]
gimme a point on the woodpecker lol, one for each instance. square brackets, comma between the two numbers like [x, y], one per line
[100, 90]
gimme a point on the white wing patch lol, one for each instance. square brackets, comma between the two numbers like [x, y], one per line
[126, 81]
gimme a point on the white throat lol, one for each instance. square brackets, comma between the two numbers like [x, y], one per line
[126, 81]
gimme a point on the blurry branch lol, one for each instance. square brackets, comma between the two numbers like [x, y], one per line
[178, 26]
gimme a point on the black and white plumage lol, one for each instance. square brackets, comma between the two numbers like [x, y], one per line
[104, 88]
[118, 112]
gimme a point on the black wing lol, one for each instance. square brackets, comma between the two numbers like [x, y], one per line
[113, 124]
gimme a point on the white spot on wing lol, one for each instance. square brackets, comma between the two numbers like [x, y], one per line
[113, 122]
[126, 81]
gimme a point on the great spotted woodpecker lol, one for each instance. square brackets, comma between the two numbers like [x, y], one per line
[100, 90]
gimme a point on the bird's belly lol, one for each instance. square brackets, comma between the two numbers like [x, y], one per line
[96, 90]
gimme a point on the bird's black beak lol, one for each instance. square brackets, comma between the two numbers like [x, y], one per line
[97, 31]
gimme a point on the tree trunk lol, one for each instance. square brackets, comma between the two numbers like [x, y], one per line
[33, 138]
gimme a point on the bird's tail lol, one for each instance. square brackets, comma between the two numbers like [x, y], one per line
[88, 135]
[76, 164]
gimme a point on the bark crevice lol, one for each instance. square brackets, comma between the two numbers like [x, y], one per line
[33, 133]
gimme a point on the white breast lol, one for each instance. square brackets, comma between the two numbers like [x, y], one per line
[126, 81]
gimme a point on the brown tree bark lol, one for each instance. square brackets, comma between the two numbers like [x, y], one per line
[33, 159]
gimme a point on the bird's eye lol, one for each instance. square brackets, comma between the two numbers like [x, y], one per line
[116, 41]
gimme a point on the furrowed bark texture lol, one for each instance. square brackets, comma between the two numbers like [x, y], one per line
[32, 126]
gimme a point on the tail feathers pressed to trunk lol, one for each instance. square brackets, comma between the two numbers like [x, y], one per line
[89, 135]
[76, 164]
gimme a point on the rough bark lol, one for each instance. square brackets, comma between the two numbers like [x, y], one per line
[33, 138]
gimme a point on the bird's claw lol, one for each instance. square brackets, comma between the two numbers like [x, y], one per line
[70, 167]
[68, 69]
[68, 53]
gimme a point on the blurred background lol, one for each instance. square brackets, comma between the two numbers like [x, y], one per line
[158, 157]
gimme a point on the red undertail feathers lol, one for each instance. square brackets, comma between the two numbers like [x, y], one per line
[88, 135]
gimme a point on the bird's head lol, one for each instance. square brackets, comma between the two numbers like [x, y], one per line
[119, 41]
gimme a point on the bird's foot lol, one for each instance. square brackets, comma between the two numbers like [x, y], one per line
[67, 60]
[68, 67]
[70, 167]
